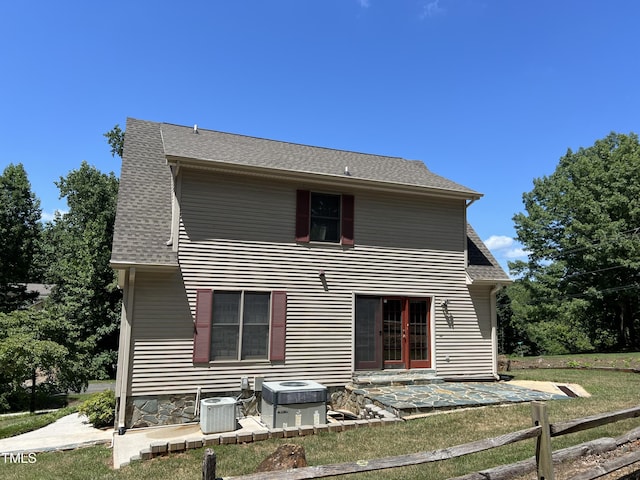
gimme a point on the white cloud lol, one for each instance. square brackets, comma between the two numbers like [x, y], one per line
[49, 217]
[516, 253]
[431, 9]
[505, 247]
[498, 242]
[364, 3]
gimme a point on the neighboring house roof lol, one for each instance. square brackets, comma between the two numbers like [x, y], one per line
[482, 266]
[232, 149]
[143, 219]
[43, 289]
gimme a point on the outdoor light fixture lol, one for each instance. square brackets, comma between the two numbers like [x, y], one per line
[444, 304]
[323, 279]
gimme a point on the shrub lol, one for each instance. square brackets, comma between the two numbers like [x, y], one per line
[100, 409]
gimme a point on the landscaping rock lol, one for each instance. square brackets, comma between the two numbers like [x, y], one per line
[286, 456]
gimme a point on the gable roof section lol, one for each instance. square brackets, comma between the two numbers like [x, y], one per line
[215, 148]
[482, 265]
[143, 216]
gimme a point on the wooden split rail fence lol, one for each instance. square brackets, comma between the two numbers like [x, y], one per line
[542, 431]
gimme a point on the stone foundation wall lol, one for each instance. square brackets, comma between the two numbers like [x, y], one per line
[160, 410]
[155, 410]
[349, 399]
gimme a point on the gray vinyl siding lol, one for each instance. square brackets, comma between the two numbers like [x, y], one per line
[238, 233]
[470, 345]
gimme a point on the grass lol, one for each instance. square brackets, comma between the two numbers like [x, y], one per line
[628, 360]
[610, 391]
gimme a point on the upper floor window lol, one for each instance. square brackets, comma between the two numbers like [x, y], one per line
[324, 217]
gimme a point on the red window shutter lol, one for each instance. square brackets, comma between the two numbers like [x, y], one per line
[278, 326]
[346, 228]
[202, 327]
[303, 199]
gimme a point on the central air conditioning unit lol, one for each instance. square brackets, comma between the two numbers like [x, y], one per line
[218, 415]
[293, 403]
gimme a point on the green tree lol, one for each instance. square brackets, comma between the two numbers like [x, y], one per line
[115, 138]
[581, 282]
[86, 290]
[35, 344]
[19, 230]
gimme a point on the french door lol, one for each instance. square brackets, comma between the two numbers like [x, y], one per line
[392, 332]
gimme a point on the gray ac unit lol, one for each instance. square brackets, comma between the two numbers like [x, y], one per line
[218, 415]
[293, 403]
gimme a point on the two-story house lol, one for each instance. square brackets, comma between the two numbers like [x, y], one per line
[246, 257]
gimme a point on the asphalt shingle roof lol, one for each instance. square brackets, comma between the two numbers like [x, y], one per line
[143, 216]
[482, 265]
[143, 219]
[235, 149]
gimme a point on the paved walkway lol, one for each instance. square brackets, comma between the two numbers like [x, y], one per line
[70, 432]
[410, 400]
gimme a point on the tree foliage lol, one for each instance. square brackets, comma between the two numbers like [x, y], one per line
[579, 289]
[19, 230]
[115, 138]
[74, 335]
[35, 344]
[85, 291]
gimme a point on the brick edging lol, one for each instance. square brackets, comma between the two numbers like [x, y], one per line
[161, 448]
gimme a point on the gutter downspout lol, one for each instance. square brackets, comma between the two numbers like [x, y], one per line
[124, 353]
[494, 329]
[175, 207]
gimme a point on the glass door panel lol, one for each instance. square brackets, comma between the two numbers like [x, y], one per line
[368, 344]
[392, 332]
[418, 332]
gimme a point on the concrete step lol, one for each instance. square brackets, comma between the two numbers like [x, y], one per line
[394, 378]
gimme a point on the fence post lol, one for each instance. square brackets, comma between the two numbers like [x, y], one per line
[544, 457]
[209, 465]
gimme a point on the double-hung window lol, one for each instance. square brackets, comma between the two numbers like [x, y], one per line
[324, 217]
[239, 325]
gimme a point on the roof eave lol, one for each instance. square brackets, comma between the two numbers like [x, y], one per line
[126, 264]
[490, 281]
[321, 178]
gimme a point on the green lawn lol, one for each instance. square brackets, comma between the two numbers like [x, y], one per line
[585, 360]
[610, 391]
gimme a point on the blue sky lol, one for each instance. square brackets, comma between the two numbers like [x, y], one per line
[489, 93]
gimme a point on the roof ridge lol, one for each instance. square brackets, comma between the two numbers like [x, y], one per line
[294, 143]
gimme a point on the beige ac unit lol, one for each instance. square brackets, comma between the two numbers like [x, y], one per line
[218, 415]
